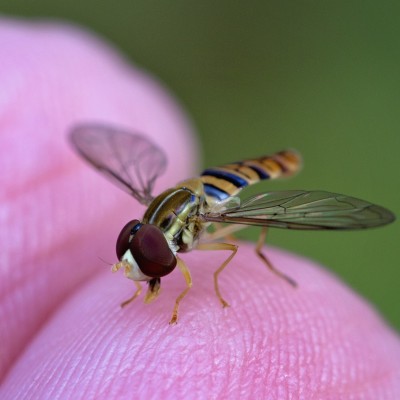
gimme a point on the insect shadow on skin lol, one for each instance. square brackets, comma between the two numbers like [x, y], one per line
[179, 219]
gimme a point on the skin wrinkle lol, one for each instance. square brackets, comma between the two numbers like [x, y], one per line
[63, 372]
[30, 284]
[260, 340]
[263, 362]
[287, 333]
[33, 384]
[84, 347]
[118, 369]
[91, 373]
[120, 343]
[222, 368]
[54, 383]
[362, 379]
[275, 336]
[326, 359]
[42, 252]
[285, 348]
[248, 345]
[218, 364]
[307, 352]
[157, 357]
[34, 181]
[49, 348]
[96, 374]
[315, 338]
[129, 358]
[321, 373]
[293, 362]
[302, 371]
[236, 368]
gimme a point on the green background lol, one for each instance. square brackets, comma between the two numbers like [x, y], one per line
[256, 77]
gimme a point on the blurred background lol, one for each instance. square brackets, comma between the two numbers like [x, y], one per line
[257, 77]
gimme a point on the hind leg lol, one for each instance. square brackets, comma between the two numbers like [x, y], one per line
[267, 262]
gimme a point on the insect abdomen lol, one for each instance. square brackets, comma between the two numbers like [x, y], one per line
[227, 180]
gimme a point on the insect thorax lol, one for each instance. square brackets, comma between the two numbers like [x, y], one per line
[176, 212]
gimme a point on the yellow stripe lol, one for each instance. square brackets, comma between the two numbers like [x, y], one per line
[271, 167]
[221, 184]
[232, 169]
[291, 159]
[249, 173]
[241, 171]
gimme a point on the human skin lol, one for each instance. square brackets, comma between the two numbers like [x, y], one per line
[63, 334]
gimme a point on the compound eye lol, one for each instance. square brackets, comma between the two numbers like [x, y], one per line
[125, 237]
[151, 251]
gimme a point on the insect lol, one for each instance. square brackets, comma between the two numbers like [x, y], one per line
[178, 219]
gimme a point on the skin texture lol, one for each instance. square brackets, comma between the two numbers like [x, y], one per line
[63, 334]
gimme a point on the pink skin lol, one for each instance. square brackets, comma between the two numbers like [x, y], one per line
[63, 334]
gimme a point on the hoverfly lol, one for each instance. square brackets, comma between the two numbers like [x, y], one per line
[177, 220]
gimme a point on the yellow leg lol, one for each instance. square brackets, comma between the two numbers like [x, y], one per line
[188, 278]
[225, 232]
[136, 294]
[127, 269]
[260, 243]
[219, 246]
[153, 290]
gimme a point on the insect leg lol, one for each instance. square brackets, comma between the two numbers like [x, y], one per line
[188, 278]
[153, 290]
[260, 243]
[225, 232]
[136, 294]
[219, 246]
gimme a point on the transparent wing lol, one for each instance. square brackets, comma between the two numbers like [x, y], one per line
[298, 209]
[132, 161]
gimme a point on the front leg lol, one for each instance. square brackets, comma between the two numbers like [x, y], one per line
[127, 269]
[188, 278]
[136, 294]
[153, 290]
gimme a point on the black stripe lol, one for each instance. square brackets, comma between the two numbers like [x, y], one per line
[215, 192]
[260, 172]
[227, 176]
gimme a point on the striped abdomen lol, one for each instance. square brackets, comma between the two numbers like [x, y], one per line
[227, 180]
